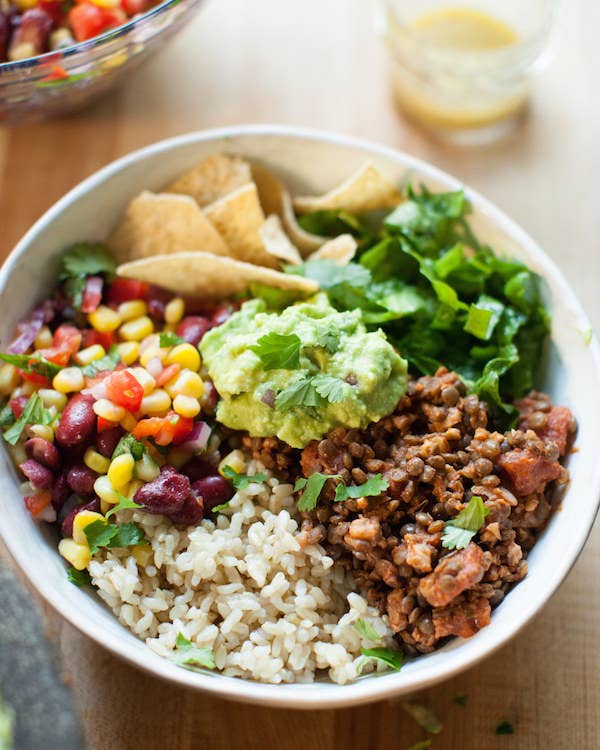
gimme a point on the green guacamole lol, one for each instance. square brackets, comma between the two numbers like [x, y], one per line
[360, 375]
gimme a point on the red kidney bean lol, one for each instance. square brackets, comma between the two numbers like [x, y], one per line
[4, 34]
[33, 30]
[60, 490]
[81, 479]
[222, 314]
[77, 422]
[192, 328]
[165, 494]
[197, 468]
[106, 441]
[190, 512]
[66, 528]
[43, 451]
[210, 397]
[156, 309]
[213, 490]
[40, 476]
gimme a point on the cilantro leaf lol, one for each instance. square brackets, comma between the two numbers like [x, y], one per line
[312, 489]
[167, 338]
[128, 444]
[101, 534]
[505, 727]
[241, 481]
[330, 388]
[78, 577]
[278, 351]
[392, 659]
[108, 362]
[374, 486]
[459, 530]
[32, 363]
[330, 340]
[366, 629]
[300, 393]
[329, 274]
[192, 657]
[6, 416]
[124, 504]
[424, 716]
[87, 259]
[331, 223]
[33, 413]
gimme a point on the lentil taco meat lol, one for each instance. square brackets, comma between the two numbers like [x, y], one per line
[436, 452]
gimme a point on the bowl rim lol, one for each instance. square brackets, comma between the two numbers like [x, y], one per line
[57, 55]
[316, 695]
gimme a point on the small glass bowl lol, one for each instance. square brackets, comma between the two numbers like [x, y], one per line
[66, 80]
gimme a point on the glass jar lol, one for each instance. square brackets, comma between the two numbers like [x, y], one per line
[462, 69]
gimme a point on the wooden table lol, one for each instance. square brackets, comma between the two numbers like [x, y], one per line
[318, 63]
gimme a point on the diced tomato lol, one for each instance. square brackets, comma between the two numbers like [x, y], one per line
[167, 374]
[35, 378]
[123, 389]
[35, 504]
[133, 7]
[165, 430]
[125, 290]
[104, 424]
[92, 294]
[17, 405]
[67, 337]
[106, 339]
[54, 8]
[88, 20]
[90, 382]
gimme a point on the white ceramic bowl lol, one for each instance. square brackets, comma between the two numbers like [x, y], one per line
[311, 162]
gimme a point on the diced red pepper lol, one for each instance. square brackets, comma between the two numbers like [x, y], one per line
[35, 504]
[125, 290]
[35, 378]
[104, 424]
[167, 374]
[92, 294]
[172, 429]
[123, 389]
[17, 405]
[106, 338]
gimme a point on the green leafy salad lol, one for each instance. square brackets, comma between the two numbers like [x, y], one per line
[442, 298]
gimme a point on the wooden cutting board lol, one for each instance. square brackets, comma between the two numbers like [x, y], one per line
[318, 63]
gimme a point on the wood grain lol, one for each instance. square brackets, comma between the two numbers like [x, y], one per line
[318, 63]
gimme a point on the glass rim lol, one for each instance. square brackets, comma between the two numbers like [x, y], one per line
[88, 45]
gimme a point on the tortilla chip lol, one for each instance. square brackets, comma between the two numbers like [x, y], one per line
[159, 223]
[277, 243]
[340, 250]
[366, 190]
[212, 179]
[200, 274]
[275, 199]
[239, 218]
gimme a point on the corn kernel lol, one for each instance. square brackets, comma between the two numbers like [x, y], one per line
[78, 555]
[120, 471]
[157, 402]
[131, 309]
[186, 405]
[142, 554]
[43, 431]
[96, 461]
[185, 355]
[68, 380]
[174, 310]
[104, 319]
[136, 329]
[105, 507]
[134, 486]
[27, 388]
[105, 491]
[82, 519]
[128, 422]
[235, 459]
[90, 354]
[153, 340]
[144, 378]
[107, 410]
[151, 352]
[9, 379]
[26, 4]
[129, 351]
[186, 383]
[43, 340]
[147, 469]
[17, 453]
[53, 398]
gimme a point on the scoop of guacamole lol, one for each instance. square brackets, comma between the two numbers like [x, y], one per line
[335, 373]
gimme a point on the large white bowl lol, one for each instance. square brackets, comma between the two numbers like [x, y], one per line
[308, 161]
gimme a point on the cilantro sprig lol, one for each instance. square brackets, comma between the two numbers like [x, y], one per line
[192, 657]
[374, 486]
[34, 412]
[101, 534]
[167, 338]
[32, 363]
[241, 481]
[82, 260]
[78, 577]
[124, 504]
[392, 659]
[459, 530]
[313, 486]
[278, 351]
